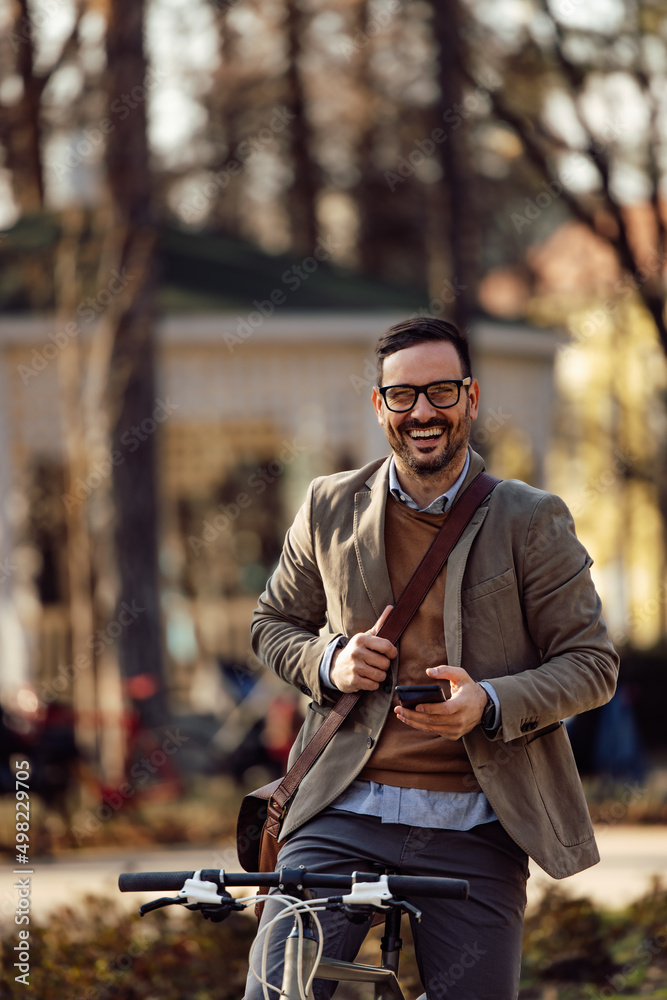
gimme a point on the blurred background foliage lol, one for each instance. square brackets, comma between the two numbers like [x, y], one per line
[571, 951]
[208, 211]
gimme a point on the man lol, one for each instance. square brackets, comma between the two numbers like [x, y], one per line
[472, 786]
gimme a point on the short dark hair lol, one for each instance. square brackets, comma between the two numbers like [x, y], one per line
[420, 331]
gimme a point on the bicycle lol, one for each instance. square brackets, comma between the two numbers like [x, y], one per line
[366, 894]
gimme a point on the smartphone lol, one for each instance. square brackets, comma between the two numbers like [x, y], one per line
[411, 695]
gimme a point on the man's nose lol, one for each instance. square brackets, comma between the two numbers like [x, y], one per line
[423, 410]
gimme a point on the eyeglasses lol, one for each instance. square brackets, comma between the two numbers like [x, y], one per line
[442, 395]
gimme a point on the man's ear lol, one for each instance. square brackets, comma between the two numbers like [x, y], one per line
[473, 396]
[377, 403]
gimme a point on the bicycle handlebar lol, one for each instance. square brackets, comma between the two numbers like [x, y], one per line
[401, 885]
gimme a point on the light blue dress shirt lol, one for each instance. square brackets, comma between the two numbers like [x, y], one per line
[415, 806]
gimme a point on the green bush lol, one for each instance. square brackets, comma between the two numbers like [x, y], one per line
[607, 953]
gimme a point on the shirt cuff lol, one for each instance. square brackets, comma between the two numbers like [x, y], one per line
[497, 718]
[325, 662]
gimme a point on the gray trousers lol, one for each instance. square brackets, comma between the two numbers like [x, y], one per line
[466, 949]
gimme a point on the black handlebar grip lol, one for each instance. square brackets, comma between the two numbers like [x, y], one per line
[419, 885]
[152, 881]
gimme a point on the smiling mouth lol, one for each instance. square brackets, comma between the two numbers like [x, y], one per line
[429, 433]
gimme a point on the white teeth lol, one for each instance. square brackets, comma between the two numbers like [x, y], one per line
[432, 432]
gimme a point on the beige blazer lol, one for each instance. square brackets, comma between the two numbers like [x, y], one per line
[520, 610]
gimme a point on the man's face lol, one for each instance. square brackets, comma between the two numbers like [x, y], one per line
[448, 430]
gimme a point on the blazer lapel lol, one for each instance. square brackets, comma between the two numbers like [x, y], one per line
[369, 513]
[456, 565]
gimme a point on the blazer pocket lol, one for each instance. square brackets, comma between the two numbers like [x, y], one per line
[488, 587]
[542, 732]
[556, 778]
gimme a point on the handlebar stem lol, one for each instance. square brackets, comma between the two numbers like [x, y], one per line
[391, 942]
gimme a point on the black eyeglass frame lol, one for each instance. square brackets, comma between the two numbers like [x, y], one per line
[418, 389]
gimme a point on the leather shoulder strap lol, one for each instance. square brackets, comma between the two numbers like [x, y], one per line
[394, 625]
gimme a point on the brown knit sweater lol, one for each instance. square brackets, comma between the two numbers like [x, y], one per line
[403, 756]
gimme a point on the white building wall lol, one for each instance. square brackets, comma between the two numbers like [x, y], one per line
[308, 375]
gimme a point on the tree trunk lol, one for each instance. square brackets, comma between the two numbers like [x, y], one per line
[302, 193]
[227, 103]
[463, 237]
[392, 218]
[368, 191]
[79, 567]
[131, 391]
[19, 124]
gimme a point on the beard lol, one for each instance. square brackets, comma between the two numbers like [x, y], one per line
[454, 437]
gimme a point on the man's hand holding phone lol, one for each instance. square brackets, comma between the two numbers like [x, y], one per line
[411, 695]
[454, 717]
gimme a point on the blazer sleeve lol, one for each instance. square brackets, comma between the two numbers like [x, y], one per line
[285, 630]
[579, 665]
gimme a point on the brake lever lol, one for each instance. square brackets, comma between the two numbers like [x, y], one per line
[156, 904]
[216, 912]
[408, 907]
[356, 914]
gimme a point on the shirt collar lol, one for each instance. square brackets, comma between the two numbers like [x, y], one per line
[440, 504]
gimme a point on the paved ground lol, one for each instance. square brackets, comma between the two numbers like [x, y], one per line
[631, 856]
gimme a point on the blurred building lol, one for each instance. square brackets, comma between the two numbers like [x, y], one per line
[254, 399]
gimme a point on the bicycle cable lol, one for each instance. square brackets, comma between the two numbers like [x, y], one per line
[293, 907]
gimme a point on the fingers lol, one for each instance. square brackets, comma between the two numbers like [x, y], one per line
[442, 712]
[369, 680]
[348, 676]
[440, 724]
[374, 657]
[368, 656]
[371, 649]
[447, 672]
[383, 646]
[382, 619]
[453, 718]
[358, 667]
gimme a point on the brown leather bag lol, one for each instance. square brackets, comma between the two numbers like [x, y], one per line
[257, 849]
[263, 811]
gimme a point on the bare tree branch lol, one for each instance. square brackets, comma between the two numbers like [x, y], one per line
[69, 48]
[649, 288]
[538, 155]
[20, 124]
